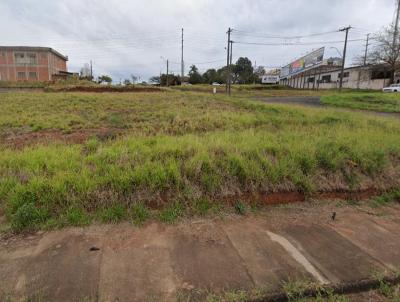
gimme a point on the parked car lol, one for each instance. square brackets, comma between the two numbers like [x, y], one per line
[216, 84]
[392, 88]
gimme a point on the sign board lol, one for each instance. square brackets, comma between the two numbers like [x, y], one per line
[312, 59]
[270, 79]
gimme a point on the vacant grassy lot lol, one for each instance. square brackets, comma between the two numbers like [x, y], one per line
[375, 101]
[69, 158]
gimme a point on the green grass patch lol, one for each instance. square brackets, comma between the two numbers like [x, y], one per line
[375, 101]
[186, 146]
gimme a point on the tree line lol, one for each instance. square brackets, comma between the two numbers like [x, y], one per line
[242, 72]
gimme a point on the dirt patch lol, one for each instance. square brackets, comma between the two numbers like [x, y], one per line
[101, 89]
[295, 197]
[21, 140]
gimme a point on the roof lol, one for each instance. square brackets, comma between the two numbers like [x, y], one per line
[34, 48]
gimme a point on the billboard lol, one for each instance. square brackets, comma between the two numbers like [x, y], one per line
[312, 59]
[270, 79]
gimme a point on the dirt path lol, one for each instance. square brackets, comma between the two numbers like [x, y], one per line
[309, 101]
[195, 258]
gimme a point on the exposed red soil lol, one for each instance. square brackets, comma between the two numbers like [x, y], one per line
[295, 197]
[21, 140]
[101, 89]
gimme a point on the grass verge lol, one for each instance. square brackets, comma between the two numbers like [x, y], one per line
[375, 101]
[179, 151]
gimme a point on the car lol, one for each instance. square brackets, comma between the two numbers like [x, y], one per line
[216, 84]
[392, 88]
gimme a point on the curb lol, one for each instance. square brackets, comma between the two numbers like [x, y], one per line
[340, 289]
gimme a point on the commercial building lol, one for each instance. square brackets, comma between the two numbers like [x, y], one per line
[373, 77]
[313, 72]
[23, 63]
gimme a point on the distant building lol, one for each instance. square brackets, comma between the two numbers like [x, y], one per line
[373, 77]
[23, 63]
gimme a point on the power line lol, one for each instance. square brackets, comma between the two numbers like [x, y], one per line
[244, 33]
[297, 43]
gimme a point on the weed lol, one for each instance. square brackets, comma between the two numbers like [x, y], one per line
[139, 213]
[203, 206]
[172, 213]
[113, 214]
[77, 217]
[240, 208]
[27, 216]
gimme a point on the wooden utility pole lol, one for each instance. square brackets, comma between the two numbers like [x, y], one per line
[182, 62]
[396, 26]
[91, 70]
[366, 51]
[395, 34]
[167, 72]
[230, 64]
[346, 29]
[228, 60]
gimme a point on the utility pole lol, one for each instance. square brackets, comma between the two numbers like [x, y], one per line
[395, 33]
[396, 26]
[255, 67]
[228, 68]
[167, 71]
[366, 51]
[346, 29]
[230, 64]
[182, 63]
[91, 70]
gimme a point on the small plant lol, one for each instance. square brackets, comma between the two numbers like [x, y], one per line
[27, 217]
[91, 145]
[203, 206]
[113, 214]
[172, 213]
[240, 208]
[77, 217]
[139, 213]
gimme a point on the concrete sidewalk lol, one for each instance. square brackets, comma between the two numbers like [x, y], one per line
[160, 263]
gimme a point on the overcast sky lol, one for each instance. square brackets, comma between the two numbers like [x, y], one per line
[125, 37]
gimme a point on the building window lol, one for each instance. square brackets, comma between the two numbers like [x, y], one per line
[19, 58]
[43, 56]
[346, 74]
[31, 58]
[25, 58]
[310, 80]
[326, 79]
[32, 75]
[21, 75]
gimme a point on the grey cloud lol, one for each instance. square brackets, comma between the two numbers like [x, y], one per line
[129, 36]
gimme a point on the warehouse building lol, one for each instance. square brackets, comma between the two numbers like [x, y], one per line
[23, 63]
[313, 72]
[373, 77]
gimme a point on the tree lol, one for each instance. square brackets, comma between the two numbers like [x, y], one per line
[243, 71]
[211, 76]
[194, 75]
[134, 78]
[260, 71]
[222, 75]
[386, 51]
[127, 82]
[104, 79]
